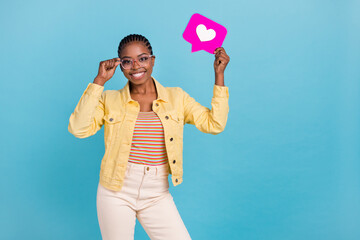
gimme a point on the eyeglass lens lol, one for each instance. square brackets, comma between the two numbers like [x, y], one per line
[142, 60]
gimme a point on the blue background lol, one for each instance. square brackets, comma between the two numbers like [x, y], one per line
[287, 164]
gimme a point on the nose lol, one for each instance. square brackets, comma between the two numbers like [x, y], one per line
[135, 61]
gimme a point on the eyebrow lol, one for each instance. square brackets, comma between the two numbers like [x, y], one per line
[137, 55]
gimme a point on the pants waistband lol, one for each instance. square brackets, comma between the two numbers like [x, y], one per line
[147, 169]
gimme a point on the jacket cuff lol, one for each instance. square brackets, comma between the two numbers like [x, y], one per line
[221, 91]
[94, 89]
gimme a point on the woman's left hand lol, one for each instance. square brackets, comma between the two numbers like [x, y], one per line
[221, 60]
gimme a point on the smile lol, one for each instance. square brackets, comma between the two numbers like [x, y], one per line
[137, 75]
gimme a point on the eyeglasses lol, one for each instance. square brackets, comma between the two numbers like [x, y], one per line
[142, 60]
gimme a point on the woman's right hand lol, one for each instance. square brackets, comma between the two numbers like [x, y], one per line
[106, 70]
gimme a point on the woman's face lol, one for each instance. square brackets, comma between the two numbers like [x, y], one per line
[134, 50]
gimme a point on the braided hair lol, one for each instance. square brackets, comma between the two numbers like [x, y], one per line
[133, 38]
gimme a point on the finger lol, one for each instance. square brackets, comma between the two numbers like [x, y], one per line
[224, 56]
[222, 59]
[116, 62]
[219, 59]
[108, 64]
[223, 53]
[220, 51]
[216, 50]
[217, 53]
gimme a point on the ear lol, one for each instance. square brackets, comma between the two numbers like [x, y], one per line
[153, 61]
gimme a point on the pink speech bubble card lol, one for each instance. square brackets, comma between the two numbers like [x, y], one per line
[204, 34]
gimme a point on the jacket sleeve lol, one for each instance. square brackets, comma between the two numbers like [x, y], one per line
[87, 117]
[208, 121]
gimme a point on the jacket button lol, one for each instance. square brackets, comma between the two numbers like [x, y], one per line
[156, 104]
[166, 117]
[111, 119]
[176, 180]
[171, 139]
[174, 161]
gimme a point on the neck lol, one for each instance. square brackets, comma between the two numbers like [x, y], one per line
[147, 86]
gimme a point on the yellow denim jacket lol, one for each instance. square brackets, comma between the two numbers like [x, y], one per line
[118, 112]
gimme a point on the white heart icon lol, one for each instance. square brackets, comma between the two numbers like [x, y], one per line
[205, 34]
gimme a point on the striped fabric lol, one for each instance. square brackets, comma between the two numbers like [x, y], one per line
[148, 144]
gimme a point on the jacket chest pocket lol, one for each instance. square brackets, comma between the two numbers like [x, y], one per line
[113, 124]
[177, 121]
[177, 118]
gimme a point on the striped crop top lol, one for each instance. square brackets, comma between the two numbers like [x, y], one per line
[148, 143]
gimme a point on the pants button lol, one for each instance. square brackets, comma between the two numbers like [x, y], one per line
[147, 168]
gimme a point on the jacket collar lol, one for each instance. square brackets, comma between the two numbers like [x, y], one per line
[161, 91]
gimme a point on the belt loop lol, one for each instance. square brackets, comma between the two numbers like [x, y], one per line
[129, 168]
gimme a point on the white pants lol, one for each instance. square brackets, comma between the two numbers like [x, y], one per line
[145, 195]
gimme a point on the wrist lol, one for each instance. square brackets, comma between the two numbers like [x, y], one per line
[219, 79]
[99, 81]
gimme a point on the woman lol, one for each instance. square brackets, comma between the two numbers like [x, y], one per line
[143, 140]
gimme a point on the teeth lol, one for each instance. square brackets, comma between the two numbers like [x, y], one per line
[138, 74]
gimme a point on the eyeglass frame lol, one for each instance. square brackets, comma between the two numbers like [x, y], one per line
[133, 61]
